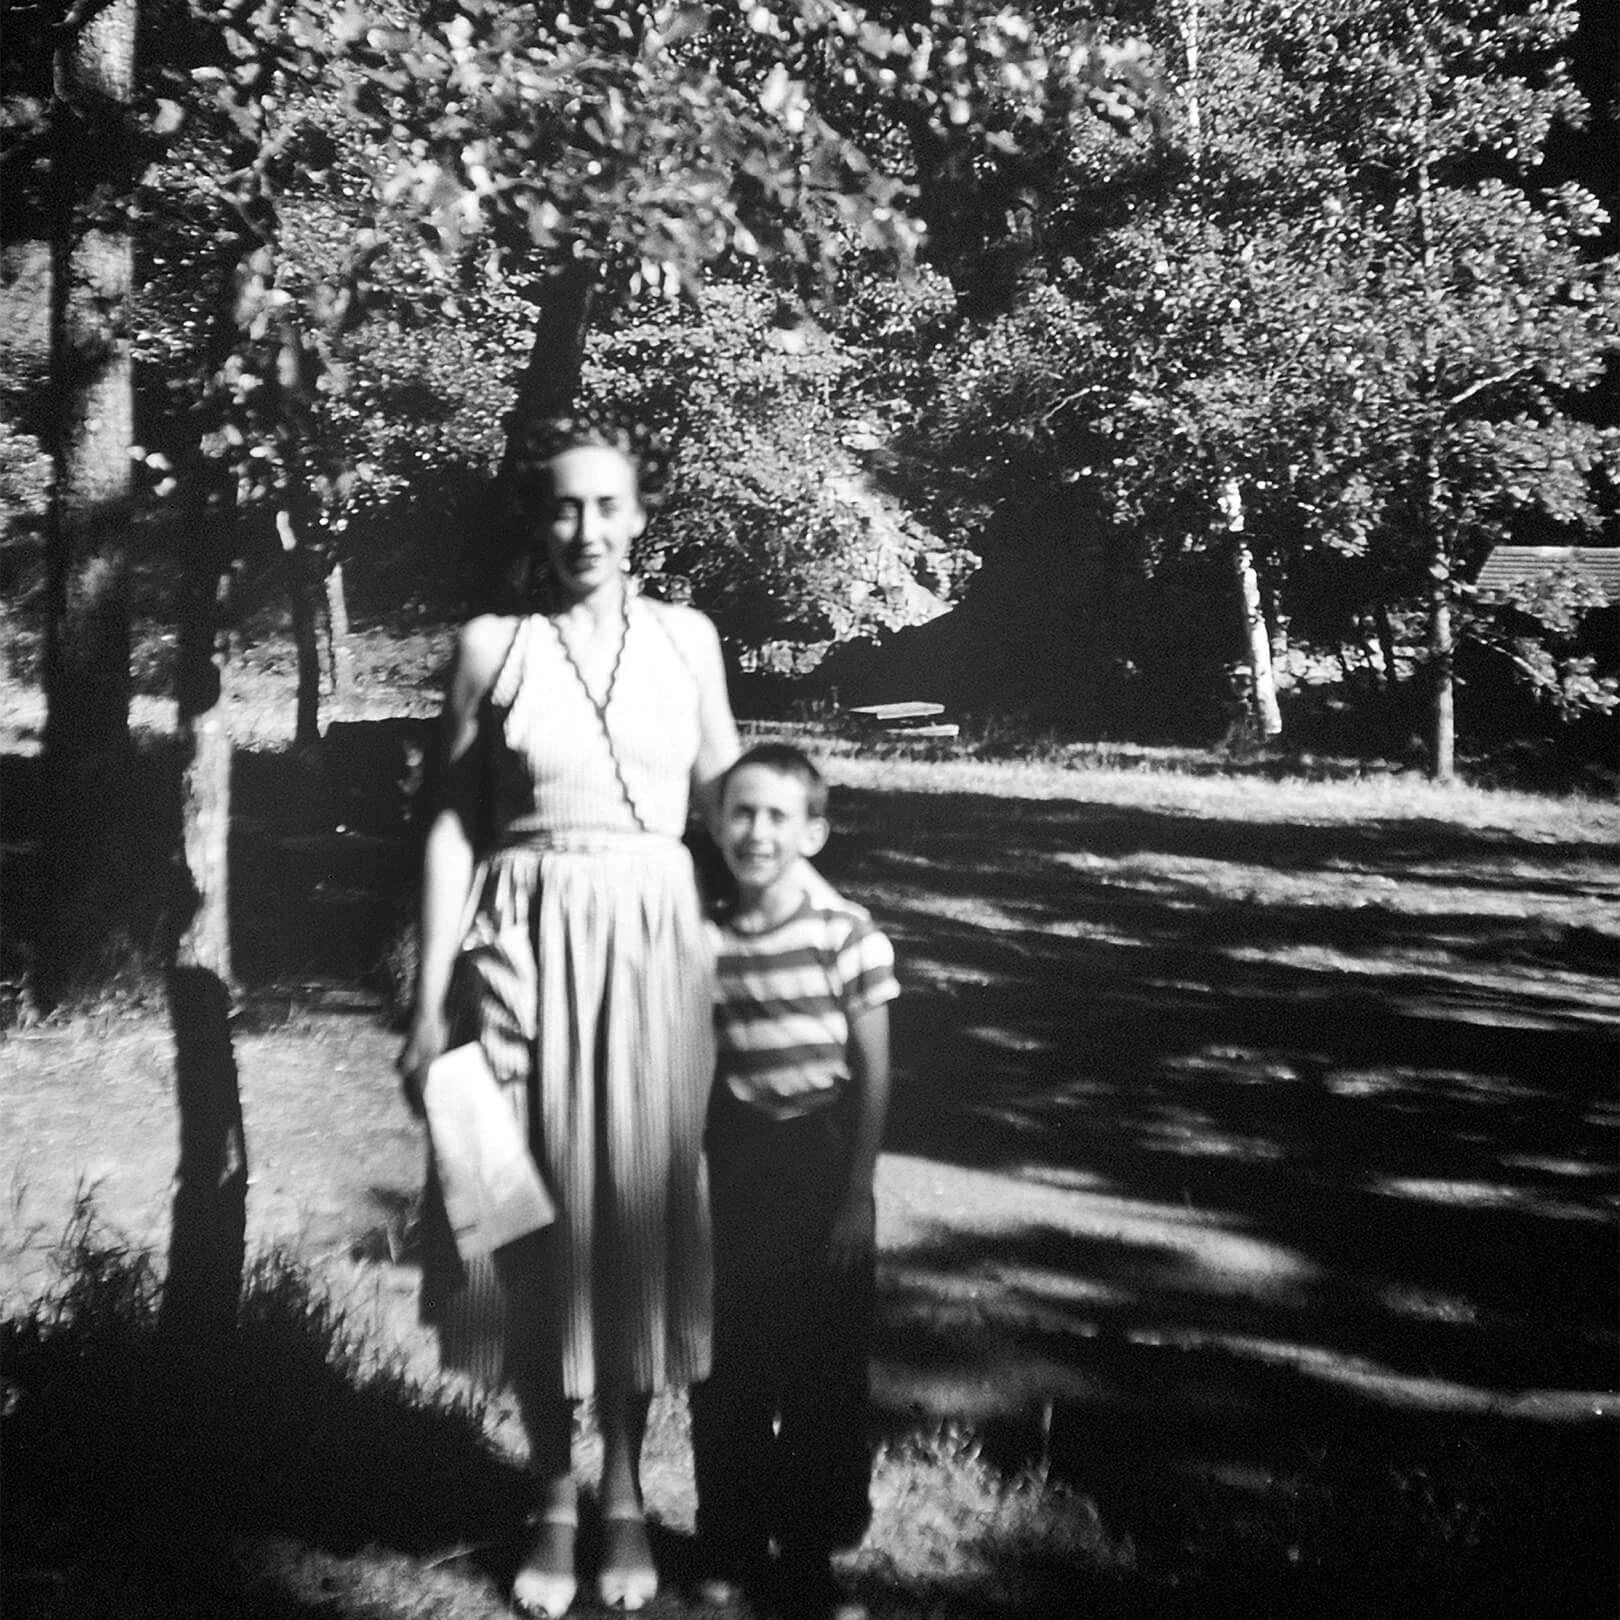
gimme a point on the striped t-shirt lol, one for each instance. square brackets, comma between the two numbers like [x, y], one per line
[785, 997]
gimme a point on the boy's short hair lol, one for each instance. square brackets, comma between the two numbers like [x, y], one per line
[785, 760]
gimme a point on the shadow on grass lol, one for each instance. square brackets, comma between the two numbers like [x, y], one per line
[1271, 1149]
[135, 1460]
[1285, 1173]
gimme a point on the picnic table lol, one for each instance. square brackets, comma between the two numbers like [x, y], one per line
[912, 720]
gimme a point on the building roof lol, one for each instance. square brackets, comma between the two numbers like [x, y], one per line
[1508, 568]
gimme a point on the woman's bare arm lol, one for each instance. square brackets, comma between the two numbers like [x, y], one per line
[717, 736]
[448, 853]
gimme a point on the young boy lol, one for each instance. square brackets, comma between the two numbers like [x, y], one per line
[804, 981]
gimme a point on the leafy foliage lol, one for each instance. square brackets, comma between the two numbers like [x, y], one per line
[771, 525]
[1307, 248]
[1327, 271]
[659, 140]
[1548, 632]
[374, 203]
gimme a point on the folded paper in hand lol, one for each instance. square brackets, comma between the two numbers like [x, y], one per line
[493, 1194]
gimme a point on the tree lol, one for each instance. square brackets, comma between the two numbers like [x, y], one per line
[1345, 290]
[76, 137]
[772, 525]
[460, 159]
[513, 177]
[1155, 363]
[1492, 317]
[634, 151]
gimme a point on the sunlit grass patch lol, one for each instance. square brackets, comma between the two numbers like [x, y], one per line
[1169, 785]
[949, 1524]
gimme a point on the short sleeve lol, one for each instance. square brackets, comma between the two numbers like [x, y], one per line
[866, 967]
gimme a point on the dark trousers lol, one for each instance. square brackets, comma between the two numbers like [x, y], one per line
[779, 1429]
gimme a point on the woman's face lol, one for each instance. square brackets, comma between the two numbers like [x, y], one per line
[593, 514]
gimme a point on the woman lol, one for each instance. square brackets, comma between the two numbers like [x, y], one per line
[561, 929]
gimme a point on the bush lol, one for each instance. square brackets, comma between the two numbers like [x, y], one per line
[122, 1436]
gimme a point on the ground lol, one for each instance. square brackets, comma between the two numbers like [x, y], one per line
[1244, 1131]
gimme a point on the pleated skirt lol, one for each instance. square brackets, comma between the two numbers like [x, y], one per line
[586, 976]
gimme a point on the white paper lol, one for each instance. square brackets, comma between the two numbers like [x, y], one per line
[493, 1193]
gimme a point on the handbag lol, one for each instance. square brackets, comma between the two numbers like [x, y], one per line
[493, 1191]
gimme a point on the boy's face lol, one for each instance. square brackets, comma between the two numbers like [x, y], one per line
[766, 826]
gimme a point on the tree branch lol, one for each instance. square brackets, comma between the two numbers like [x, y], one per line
[79, 17]
[1480, 386]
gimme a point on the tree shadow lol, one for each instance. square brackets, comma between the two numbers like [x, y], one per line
[132, 1467]
[1270, 1134]
[1267, 1144]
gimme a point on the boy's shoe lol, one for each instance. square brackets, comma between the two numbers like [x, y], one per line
[737, 1585]
[731, 1597]
[807, 1590]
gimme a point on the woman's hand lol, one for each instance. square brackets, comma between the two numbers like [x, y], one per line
[427, 1039]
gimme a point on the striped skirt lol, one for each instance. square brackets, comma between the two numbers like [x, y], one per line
[586, 976]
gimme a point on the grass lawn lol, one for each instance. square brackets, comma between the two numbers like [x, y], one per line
[1249, 1220]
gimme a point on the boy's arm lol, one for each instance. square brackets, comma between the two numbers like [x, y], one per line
[852, 1238]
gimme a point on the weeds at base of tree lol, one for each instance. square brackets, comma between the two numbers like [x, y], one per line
[120, 981]
[121, 1435]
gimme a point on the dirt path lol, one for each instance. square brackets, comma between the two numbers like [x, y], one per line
[990, 1259]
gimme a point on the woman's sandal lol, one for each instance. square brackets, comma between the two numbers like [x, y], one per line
[545, 1584]
[628, 1579]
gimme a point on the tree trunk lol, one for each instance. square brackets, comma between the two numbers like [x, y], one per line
[1443, 741]
[550, 379]
[305, 628]
[1189, 17]
[1277, 619]
[209, 1213]
[87, 645]
[339, 649]
[1256, 638]
[1386, 644]
[546, 388]
[1443, 725]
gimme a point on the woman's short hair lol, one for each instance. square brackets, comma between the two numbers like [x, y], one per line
[519, 574]
[534, 446]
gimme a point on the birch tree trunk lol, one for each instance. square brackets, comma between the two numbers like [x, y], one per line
[339, 649]
[1442, 696]
[1256, 638]
[1443, 702]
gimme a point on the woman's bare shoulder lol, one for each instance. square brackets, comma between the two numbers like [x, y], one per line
[481, 647]
[687, 625]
